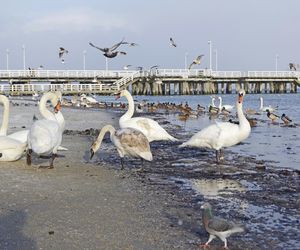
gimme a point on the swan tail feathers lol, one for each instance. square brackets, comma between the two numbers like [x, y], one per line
[147, 156]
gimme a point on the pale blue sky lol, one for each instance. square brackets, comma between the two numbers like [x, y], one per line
[246, 33]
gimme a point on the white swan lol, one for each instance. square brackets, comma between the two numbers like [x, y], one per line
[45, 135]
[10, 149]
[224, 134]
[128, 141]
[21, 135]
[227, 107]
[265, 108]
[150, 128]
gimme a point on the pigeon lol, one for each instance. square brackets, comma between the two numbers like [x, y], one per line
[62, 51]
[172, 43]
[272, 116]
[114, 54]
[285, 119]
[217, 227]
[110, 52]
[196, 61]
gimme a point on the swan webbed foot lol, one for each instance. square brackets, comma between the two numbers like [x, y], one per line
[28, 157]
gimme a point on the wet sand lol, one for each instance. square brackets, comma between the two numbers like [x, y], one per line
[84, 204]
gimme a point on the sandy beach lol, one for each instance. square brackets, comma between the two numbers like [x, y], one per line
[83, 204]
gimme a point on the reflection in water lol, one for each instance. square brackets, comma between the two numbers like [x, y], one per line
[216, 187]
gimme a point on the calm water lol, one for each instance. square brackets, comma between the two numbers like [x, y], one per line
[270, 142]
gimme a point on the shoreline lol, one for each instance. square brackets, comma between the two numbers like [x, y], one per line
[81, 203]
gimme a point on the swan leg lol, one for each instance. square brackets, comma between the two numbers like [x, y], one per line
[51, 166]
[221, 154]
[122, 163]
[28, 157]
[217, 156]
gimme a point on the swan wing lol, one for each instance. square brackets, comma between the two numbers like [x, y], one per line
[10, 143]
[20, 136]
[134, 143]
[44, 136]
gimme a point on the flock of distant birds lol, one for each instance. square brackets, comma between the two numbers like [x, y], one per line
[133, 139]
[111, 52]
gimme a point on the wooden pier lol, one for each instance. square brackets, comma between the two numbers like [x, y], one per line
[153, 82]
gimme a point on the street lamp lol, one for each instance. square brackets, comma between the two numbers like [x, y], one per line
[210, 47]
[84, 54]
[185, 59]
[276, 62]
[24, 57]
[106, 63]
[216, 53]
[7, 58]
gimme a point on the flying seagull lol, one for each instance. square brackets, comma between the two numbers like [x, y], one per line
[172, 43]
[196, 61]
[217, 227]
[130, 44]
[154, 67]
[126, 67]
[293, 66]
[62, 51]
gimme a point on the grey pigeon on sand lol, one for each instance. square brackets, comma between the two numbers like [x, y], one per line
[217, 227]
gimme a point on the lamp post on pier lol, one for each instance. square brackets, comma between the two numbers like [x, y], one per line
[185, 59]
[7, 59]
[84, 55]
[276, 62]
[210, 48]
[216, 54]
[24, 57]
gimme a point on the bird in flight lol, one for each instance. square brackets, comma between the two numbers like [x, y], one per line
[62, 51]
[110, 52]
[172, 43]
[196, 61]
[293, 66]
[130, 44]
[126, 67]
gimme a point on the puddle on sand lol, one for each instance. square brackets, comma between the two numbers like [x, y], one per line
[214, 188]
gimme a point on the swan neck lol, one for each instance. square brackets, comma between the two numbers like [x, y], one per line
[4, 100]
[130, 110]
[42, 106]
[104, 130]
[220, 104]
[240, 113]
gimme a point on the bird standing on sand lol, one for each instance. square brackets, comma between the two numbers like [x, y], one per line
[272, 116]
[196, 61]
[128, 141]
[172, 43]
[285, 119]
[217, 227]
[222, 134]
[110, 52]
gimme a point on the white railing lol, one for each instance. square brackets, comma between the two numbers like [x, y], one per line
[273, 74]
[64, 73]
[119, 74]
[125, 80]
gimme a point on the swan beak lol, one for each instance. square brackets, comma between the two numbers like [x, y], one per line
[92, 153]
[241, 98]
[57, 107]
